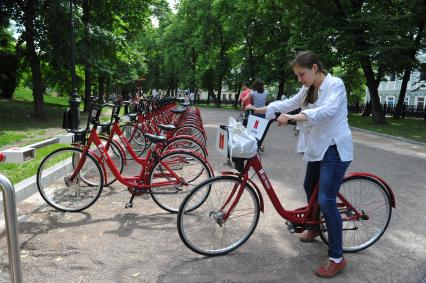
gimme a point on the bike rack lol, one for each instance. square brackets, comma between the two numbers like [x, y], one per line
[27, 153]
[11, 229]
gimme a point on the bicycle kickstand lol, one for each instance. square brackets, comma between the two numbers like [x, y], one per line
[130, 203]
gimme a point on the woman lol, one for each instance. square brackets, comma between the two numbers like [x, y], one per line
[326, 141]
[246, 92]
[259, 96]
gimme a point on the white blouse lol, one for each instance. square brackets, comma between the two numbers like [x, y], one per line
[327, 120]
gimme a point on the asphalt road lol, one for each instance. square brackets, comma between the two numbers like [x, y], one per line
[108, 243]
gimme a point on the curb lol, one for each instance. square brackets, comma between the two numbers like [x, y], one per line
[388, 136]
[28, 187]
[23, 190]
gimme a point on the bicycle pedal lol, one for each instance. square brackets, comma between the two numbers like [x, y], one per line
[146, 196]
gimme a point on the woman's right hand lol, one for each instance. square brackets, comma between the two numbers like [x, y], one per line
[250, 107]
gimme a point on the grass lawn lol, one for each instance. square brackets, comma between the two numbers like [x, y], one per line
[408, 128]
[17, 118]
[18, 128]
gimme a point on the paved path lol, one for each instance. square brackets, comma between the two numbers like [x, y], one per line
[107, 243]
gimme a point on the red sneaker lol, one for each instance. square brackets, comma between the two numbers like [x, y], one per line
[309, 236]
[330, 268]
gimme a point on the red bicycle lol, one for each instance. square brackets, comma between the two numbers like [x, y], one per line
[229, 216]
[72, 178]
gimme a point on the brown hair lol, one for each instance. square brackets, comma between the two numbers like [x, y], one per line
[258, 86]
[307, 59]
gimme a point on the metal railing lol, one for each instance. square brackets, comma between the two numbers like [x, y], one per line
[11, 229]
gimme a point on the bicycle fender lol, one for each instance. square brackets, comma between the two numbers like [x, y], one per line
[101, 163]
[252, 183]
[378, 179]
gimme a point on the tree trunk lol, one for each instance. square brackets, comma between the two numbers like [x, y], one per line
[219, 92]
[87, 87]
[108, 89]
[37, 78]
[372, 84]
[280, 89]
[402, 91]
[101, 83]
[210, 94]
[407, 72]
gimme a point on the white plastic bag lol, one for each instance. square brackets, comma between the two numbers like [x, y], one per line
[241, 143]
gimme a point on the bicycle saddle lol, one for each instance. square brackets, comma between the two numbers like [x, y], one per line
[178, 110]
[166, 127]
[154, 138]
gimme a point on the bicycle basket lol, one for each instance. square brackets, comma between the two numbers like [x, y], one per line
[234, 141]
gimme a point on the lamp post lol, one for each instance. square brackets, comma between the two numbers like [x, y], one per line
[75, 99]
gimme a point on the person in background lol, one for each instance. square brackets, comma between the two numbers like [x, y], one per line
[325, 140]
[246, 91]
[191, 98]
[258, 95]
[154, 93]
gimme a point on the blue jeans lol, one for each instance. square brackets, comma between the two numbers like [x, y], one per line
[329, 171]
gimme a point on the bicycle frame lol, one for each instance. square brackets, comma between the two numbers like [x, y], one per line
[307, 215]
[139, 182]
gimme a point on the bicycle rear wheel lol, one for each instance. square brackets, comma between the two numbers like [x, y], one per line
[185, 143]
[204, 229]
[370, 198]
[187, 166]
[191, 131]
[56, 187]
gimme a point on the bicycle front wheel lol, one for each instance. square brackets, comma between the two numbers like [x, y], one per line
[189, 167]
[368, 197]
[64, 192]
[206, 230]
[135, 138]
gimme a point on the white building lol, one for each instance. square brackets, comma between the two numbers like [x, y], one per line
[390, 88]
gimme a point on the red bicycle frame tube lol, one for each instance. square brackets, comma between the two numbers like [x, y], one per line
[140, 181]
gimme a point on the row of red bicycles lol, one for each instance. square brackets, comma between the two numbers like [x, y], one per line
[216, 214]
[167, 144]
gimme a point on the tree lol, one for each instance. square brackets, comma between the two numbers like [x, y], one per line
[8, 57]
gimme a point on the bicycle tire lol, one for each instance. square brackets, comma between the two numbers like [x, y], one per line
[191, 131]
[184, 143]
[136, 140]
[360, 192]
[55, 187]
[203, 231]
[188, 166]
